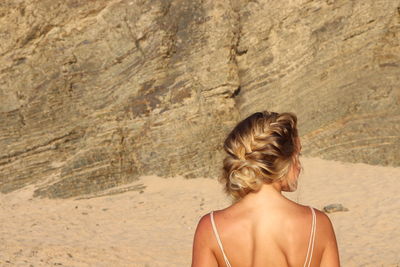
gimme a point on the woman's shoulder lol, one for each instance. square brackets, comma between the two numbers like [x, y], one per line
[307, 209]
[202, 244]
[325, 236]
[324, 227]
[304, 212]
[204, 222]
[322, 218]
[204, 227]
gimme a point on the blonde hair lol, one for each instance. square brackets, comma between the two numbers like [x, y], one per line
[260, 150]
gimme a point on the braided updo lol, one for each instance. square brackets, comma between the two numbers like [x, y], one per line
[260, 150]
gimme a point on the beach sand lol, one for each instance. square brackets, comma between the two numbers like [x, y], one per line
[155, 226]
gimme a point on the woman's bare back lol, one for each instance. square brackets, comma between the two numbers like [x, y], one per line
[273, 234]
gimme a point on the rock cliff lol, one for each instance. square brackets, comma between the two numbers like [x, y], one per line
[94, 94]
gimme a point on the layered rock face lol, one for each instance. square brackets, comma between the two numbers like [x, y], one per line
[94, 94]
[336, 64]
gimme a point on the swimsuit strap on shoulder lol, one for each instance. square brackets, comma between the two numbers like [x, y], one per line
[312, 239]
[218, 239]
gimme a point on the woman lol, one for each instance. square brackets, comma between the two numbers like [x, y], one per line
[262, 227]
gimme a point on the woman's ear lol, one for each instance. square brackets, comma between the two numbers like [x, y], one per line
[293, 174]
[289, 183]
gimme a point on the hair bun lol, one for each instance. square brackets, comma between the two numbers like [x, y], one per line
[259, 150]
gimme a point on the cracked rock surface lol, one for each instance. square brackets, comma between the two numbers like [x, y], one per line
[95, 94]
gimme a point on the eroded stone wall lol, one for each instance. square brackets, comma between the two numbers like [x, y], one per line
[336, 64]
[94, 94]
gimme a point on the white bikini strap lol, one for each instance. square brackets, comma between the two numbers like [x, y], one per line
[218, 239]
[312, 239]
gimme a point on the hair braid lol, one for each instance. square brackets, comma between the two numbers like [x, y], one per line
[259, 151]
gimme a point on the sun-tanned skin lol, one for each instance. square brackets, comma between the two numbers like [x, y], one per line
[265, 229]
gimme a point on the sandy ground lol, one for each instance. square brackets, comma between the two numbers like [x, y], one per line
[155, 227]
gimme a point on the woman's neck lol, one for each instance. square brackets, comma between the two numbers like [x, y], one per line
[267, 194]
